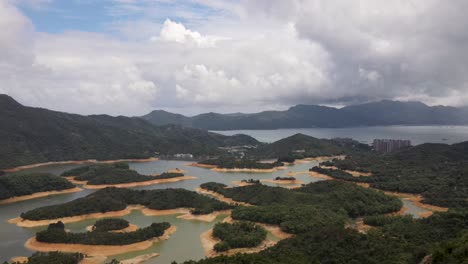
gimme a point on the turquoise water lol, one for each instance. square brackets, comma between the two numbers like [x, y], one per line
[417, 134]
[183, 245]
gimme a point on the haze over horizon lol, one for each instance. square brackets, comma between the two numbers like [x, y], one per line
[128, 57]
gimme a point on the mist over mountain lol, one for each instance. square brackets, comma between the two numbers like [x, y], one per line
[382, 113]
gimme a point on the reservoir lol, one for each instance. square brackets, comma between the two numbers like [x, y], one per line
[183, 245]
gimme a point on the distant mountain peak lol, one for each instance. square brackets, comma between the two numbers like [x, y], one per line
[380, 113]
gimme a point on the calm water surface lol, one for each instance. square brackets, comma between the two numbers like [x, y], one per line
[417, 134]
[183, 245]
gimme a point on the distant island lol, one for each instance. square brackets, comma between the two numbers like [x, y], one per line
[118, 175]
[232, 164]
[382, 113]
[101, 243]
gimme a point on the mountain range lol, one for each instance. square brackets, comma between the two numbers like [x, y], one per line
[34, 135]
[382, 113]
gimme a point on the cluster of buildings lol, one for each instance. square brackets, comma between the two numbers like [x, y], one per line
[390, 145]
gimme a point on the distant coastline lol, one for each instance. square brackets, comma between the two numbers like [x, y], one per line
[418, 134]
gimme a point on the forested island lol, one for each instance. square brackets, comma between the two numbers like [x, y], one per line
[22, 184]
[238, 235]
[56, 233]
[110, 224]
[229, 162]
[52, 258]
[112, 174]
[116, 199]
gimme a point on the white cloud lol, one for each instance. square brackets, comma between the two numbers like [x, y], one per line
[271, 54]
[176, 32]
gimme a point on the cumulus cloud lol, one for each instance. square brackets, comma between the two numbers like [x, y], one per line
[246, 56]
[176, 32]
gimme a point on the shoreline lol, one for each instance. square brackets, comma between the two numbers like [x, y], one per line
[247, 170]
[317, 175]
[241, 183]
[38, 195]
[138, 184]
[97, 250]
[90, 161]
[220, 197]
[71, 219]
[320, 158]
[185, 214]
[284, 182]
[129, 228]
[356, 174]
[208, 241]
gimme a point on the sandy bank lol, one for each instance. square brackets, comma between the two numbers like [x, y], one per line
[208, 242]
[38, 195]
[287, 182]
[220, 197]
[242, 184]
[353, 173]
[29, 223]
[235, 170]
[19, 259]
[91, 161]
[320, 159]
[295, 173]
[359, 173]
[184, 213]
[176, 171]
[320, 176]
[275, 231]
[96, 250]
[246, 170]
[94, 260]
[416, 200]
[140, 259]
[205, 166]
[129, 228]
[136, 184]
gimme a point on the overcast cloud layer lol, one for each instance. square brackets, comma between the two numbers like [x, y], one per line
[227, 56]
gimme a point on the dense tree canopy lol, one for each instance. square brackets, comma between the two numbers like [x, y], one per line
[113, 174]
[29, 183]
[58, 234]
[238, 235]
[115, 199]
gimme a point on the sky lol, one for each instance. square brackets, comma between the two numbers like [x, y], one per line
[129, 57]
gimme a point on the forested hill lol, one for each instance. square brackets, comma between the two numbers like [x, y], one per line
[34, 135]
[302, 146]
[381, 113]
